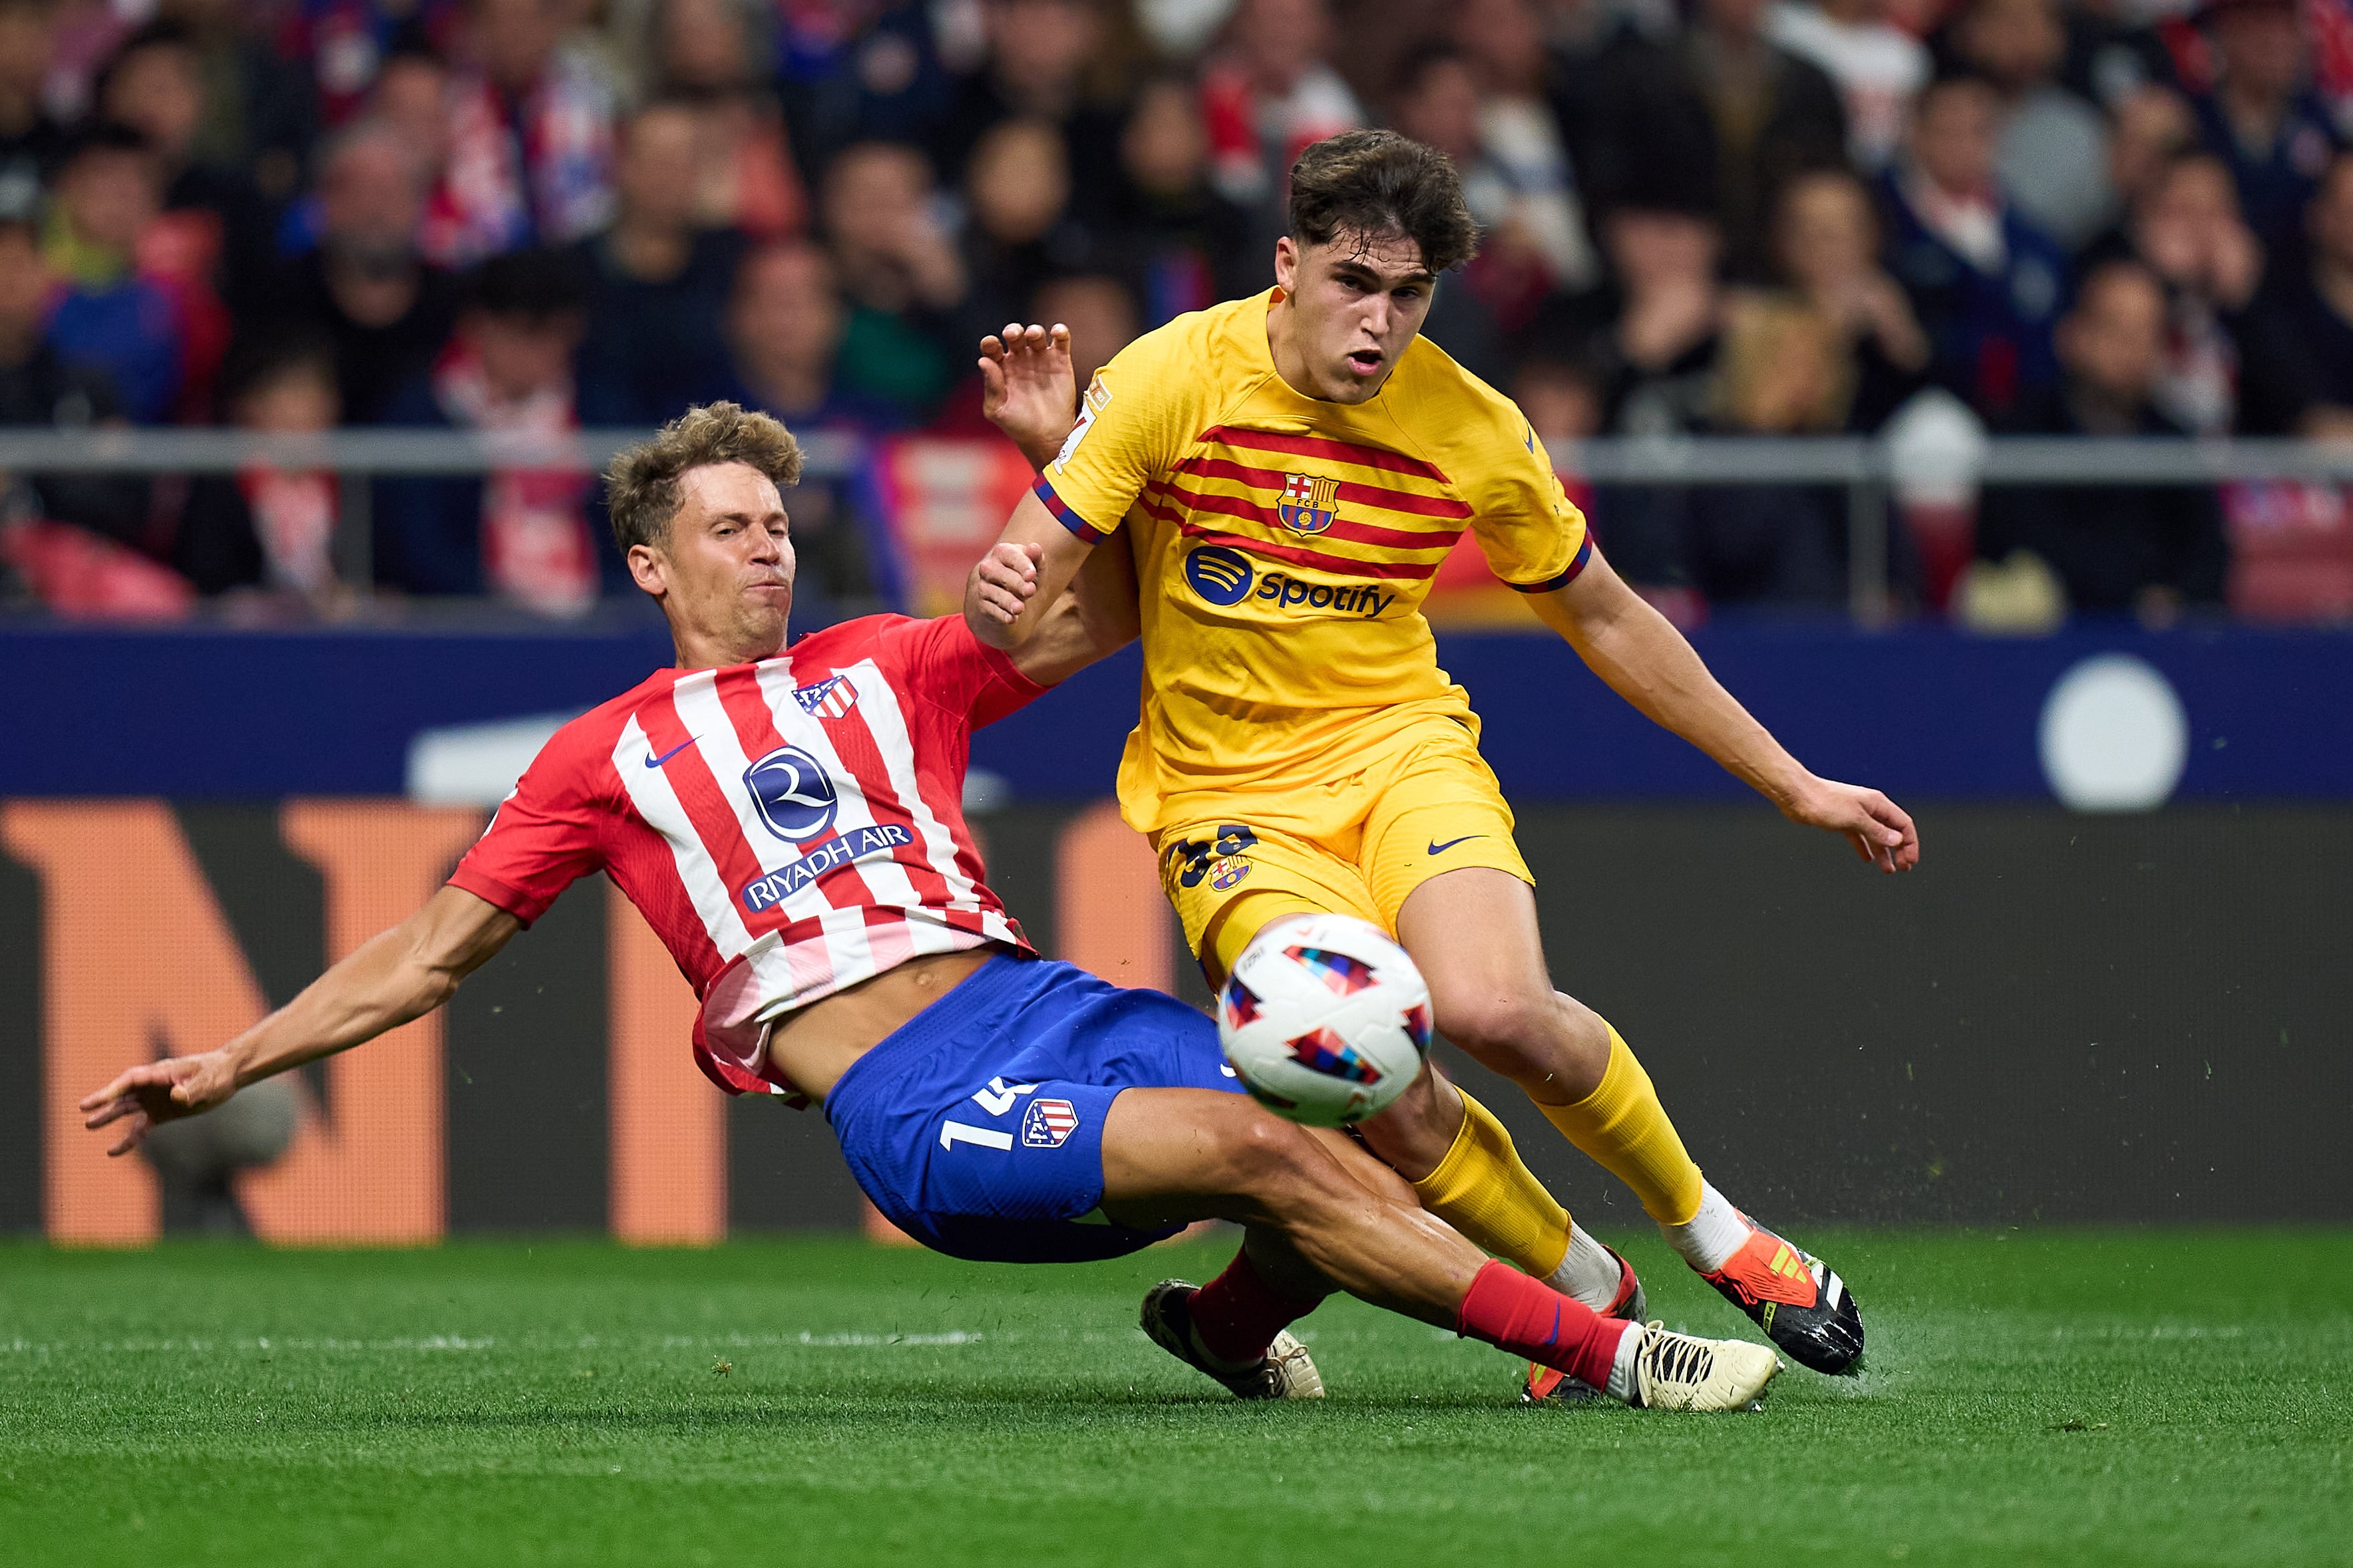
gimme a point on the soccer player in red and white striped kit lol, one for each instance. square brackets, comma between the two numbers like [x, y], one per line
[789, 822]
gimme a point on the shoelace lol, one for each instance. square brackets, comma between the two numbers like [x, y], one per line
[1672, 1358]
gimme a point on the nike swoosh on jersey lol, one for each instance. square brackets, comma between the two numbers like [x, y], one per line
[656, 762]
[1437, 848]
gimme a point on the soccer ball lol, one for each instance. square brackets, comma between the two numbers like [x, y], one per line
[1325, 1020]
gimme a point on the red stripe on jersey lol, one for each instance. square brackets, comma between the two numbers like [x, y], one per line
[739, 694]
[1350, 489]
[1339, 565]
[706, 806]
[1340, 528]
[888, 938]
[643, 865]
[854, 743]
[1321, 447]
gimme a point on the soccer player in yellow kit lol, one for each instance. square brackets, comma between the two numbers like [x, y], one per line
[1290, 470]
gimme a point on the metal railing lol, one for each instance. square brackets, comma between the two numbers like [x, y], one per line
[1868, 470]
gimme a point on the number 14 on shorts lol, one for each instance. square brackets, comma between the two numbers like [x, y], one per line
[1048, 1124]
[996, 1099]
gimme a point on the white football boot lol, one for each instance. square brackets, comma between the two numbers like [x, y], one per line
[1286, 1372]
[1681, 1372]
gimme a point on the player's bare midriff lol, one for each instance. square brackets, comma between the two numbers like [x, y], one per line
[815, 1045]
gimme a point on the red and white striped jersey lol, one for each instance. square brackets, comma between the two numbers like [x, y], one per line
[788, 829]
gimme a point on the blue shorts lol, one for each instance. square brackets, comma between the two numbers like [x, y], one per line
[977, 1126]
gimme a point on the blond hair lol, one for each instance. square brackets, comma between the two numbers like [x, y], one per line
[641, 484]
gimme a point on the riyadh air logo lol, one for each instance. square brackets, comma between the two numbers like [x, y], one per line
[1220, 575]
[795, 797]
[1309, 502]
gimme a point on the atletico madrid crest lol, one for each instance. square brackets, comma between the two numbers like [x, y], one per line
[831, 698]
[1309, 503]
[1049, 1123]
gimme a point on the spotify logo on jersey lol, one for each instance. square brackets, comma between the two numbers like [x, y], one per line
[1220, 575]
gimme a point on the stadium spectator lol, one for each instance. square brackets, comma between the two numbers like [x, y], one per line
[111, 316]
[1826, 245]
[1719, 107]
[2052, 159]
[847, 75]
[1268, 93]
[348, 44]
[1783, 370]
[1655, 363]
[1100, 313]
[258, 114]
[901, 274]
[2298, 377]
[1524, 172]
[2262, 117]
[214, 217]
[1986, 283]
[32, 142]
[1186, 246]
[2145, 548]
[785, 327]
[530, 134]
[385, 309]
[1879, 67]
[657, 283]
[1562, 398]
[520, 534]
[1532, 231]
[268, 530]
[411, 95]
[1018, 230]
[2147, 129]
[708, 54]
[1046, 60]
[2187, 230]
[39, 389]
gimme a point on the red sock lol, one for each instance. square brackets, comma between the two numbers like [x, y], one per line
[1529, 1318]
[1238, 1314]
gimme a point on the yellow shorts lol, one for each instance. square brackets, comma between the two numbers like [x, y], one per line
[1357, 845]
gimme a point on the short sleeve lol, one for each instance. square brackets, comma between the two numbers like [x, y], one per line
[941, 662]
[1133, 423]
[1533, 536]
[543, 838]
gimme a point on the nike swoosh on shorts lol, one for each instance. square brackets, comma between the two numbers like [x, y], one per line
[1436, 848]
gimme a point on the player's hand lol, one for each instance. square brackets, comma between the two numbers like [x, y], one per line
[1007, 580]
[1028, 388]
[1880, 830]
[155, 1092]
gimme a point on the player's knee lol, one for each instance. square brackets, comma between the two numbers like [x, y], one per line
[1529, 1035]
[1270, 1159]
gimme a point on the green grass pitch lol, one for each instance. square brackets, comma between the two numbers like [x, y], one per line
[2053, 1396]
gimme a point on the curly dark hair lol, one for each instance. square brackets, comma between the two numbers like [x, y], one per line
[641, 485]
[1372, 182]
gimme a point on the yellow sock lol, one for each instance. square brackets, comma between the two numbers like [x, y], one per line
[1625, 1129]
[1483, 1190]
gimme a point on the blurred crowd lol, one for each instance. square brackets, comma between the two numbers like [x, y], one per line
[1737, 216]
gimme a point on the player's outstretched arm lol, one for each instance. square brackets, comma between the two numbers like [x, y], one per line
[394, 977]
[1095, 617]
[1023, 576]
[1649, 663]
[1029, 389]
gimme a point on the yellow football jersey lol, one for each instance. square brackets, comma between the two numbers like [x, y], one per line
[1284, 545]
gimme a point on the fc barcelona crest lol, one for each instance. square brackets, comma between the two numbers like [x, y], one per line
[1309, 503]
